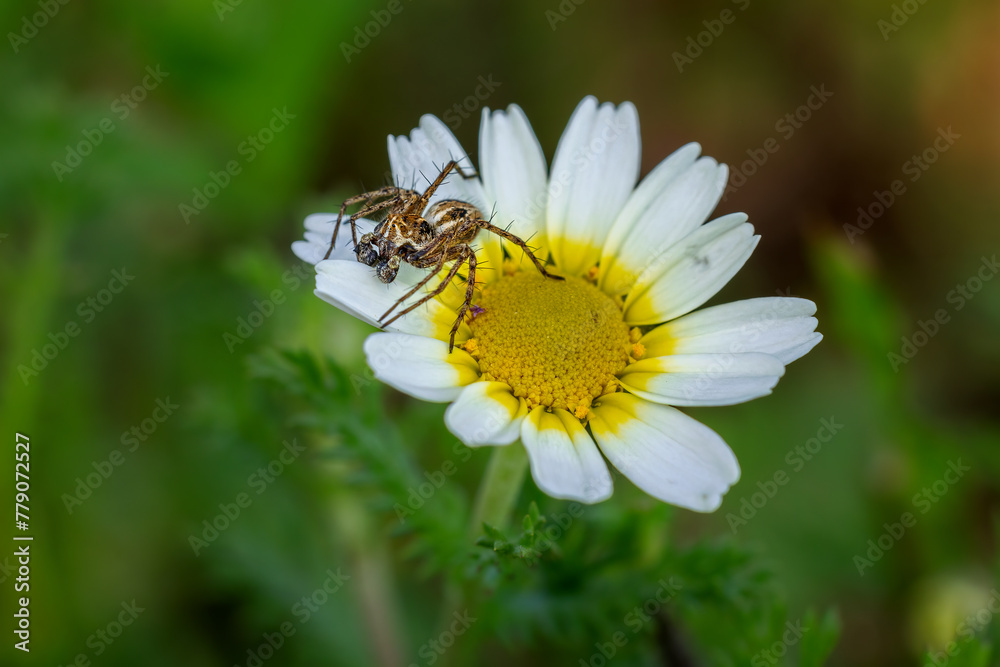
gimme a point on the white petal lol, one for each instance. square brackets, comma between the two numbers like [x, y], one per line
[779, 326]
[703, 379]
[565, 462]
[308, 251]
[319, 232]
[353, 287]
[669, 204]
[420, 366]
[418, 159]
[596, 165]
[486, 413]
[514, 178]
[664, 452]
[691, 272]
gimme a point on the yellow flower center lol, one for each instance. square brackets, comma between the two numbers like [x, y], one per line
[557, 343]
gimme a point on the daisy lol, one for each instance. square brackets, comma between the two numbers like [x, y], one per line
[597, 363]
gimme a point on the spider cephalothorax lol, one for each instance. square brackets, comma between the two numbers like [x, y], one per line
[425, 241]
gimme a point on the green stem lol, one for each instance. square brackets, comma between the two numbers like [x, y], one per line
[370, 565]
[500, 488]
[494, 504]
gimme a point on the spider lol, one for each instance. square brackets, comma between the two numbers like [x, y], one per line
[424, 242]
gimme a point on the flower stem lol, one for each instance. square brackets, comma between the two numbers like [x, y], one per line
[500, 488]
[494, 504]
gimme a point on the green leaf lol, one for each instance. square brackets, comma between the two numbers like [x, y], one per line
[351, 425]
[503, 548]
[494, 533]
[968, 653]
[819, 641]
[533, 515]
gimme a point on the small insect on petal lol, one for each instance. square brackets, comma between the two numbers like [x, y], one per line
[475, 311]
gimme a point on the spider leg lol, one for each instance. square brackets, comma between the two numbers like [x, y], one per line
[471, 174]
[470, 288]
[427, 279]
[434, 246]
[389, 191]
[366, 210]
[460, 171]
[516, 240]
[427, 297]
[421, 203]
[443, 242]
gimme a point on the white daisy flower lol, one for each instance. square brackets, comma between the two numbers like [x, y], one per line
[598, 363]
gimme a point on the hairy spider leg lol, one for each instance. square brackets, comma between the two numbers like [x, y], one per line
[462, 254]
[503, 233]
[470, 288]
[418, 260]
[394, 195]
[430, 276]
[420, 204]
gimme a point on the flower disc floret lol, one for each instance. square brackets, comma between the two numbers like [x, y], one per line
[558, 344]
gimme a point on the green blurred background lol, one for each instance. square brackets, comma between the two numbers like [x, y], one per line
[224, 70]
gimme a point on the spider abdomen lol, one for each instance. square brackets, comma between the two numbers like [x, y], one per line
[450, 213]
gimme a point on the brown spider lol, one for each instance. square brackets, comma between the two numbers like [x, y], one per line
[406, 235]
